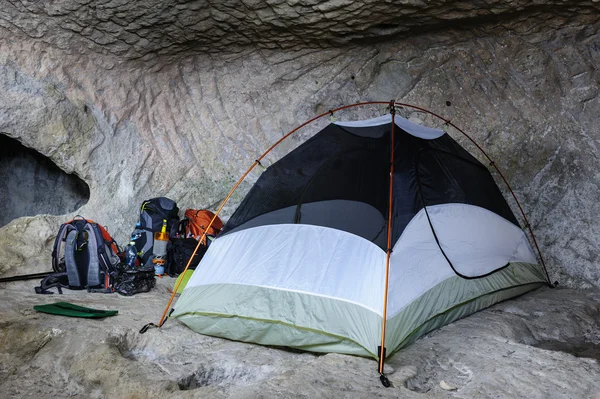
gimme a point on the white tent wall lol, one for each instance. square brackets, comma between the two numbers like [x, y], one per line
[296, 257]
[321, 289]
[475, 240]
[323, 283]
[424, 291]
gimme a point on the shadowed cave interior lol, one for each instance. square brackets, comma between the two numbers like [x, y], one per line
[31, 184]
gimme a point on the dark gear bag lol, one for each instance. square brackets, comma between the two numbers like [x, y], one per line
[152, 214]
[179, 252]
[132, 281]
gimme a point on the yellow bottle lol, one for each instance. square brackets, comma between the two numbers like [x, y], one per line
[162, 234]
[161, 238]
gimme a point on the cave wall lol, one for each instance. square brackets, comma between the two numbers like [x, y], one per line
[184, 119]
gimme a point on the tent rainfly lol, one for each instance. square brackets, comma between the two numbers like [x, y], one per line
[368, 235]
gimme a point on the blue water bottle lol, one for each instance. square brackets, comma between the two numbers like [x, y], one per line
[131, 254]
[137, 233]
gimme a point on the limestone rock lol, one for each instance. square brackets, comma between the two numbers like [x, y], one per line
[153, 28]
[26, 245]
[146, 99]
[447, 387]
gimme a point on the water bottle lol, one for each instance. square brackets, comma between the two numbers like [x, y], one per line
[131, 254]
[137, 233]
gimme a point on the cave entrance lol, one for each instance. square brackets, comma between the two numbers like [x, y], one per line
[31, 184]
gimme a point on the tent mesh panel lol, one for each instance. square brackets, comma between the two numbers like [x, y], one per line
[339, 179]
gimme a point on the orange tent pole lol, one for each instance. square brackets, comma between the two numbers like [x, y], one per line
[388, 252]
[393, 105]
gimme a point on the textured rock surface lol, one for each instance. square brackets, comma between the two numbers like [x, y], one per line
[154, 28]
[543, 345]
[141, 101]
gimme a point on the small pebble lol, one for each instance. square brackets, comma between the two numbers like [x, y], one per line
[447, 387]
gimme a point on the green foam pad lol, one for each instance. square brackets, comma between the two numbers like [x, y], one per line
[68, 309]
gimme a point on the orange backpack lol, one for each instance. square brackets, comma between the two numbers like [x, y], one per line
[196, 221]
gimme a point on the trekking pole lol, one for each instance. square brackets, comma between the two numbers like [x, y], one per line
[24, 277]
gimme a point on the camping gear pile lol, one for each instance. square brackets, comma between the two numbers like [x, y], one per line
[86, 257]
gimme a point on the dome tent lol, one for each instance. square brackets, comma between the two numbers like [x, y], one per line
[369, 234]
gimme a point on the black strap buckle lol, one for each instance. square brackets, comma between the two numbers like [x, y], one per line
[147, 327]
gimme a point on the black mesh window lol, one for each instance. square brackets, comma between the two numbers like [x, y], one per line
[336, 179]
[445, 177]
[340, 179]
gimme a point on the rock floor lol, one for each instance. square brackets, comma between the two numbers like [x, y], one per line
[545, 344]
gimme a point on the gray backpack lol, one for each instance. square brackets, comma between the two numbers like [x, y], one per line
[84, 256]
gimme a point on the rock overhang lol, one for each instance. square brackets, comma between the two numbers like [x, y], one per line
[144, 30]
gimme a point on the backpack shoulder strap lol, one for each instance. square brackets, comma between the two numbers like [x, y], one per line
[108, 240]
[94, 242]
[108, 257]
[60, 237]
[71, 264]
